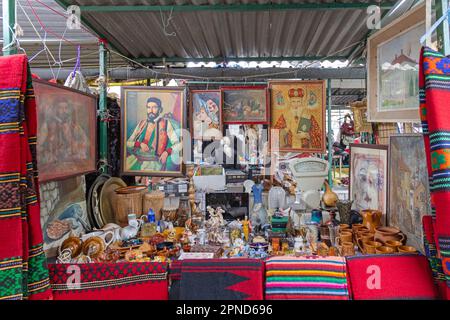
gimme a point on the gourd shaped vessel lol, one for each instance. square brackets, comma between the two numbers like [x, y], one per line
[329, 197]
[371, 219]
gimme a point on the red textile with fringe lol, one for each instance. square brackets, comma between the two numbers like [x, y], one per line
[109, 281]
[218, 279]
[434, 89]
[23, 264]
[391, 277]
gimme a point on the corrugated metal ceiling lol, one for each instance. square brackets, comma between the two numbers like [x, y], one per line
[52, 17]
[230, 34]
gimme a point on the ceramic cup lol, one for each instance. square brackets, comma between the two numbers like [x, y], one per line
[407, 249]
[370, 246]
[393, 244]
[348, 249]
[343, 227]
[384, 250]
[356, 226]
[346, 237]
[367, 236]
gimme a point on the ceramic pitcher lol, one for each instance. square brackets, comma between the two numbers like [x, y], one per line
[371, 219]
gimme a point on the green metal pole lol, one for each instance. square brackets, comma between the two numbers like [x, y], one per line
[9, 20]
[103, 108]
[330, 134]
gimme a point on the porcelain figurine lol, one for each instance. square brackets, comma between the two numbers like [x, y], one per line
[258, 217]
[246, 228]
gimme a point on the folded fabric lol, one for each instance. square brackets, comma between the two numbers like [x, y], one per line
[23, 265]
[109, 281]
[306, 278]
[434, 92]
[429, 242]
[390, 276]
[219, 279]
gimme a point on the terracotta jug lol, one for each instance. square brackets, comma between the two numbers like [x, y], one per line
[329, 197]
[371, 219]
[384, 234]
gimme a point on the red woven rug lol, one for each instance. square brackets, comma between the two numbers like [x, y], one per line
[391, 276]
[23, 265]
[114, 281]
[218, 279]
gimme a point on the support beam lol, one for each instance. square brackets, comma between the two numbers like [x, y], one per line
[330, 136]
[248, 75]
[236, 59]
[9, 20]
[103, 109]
[236, 7]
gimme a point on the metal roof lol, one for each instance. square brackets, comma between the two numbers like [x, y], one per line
[50, 24]
[151, 30]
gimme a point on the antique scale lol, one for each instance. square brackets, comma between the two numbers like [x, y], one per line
[310, 174]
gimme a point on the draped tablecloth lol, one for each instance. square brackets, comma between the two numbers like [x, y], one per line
[109, 281]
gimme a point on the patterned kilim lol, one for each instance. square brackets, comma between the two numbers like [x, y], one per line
[23, 265]
[218, 279]
[311, 278]
[109, 281]
[434, 88]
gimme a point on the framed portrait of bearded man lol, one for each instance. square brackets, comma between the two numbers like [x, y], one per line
[298, 113]
[153, 120]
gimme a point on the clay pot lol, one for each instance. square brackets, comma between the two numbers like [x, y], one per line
[371, 219]
[384, 234]
[407, 249]
[393, 244]
[384, 250]
[348, 249]
[329, 198]
[370, 246]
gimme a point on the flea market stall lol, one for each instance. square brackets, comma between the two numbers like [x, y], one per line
[232, 151]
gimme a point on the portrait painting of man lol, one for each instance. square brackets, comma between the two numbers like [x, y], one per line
[66, 139]
[152, 123]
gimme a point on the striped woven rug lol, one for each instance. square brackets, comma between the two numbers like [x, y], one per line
[310, 278]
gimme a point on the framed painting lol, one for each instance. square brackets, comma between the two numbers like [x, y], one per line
[298, 113]
[369, 177]
[393, 69]
[206, 115]
[409, 195]
[245, 105]
[152, 123]
[67, 129]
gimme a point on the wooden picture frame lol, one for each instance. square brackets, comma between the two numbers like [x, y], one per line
[152, 145]
[408, 190]
[67, 131]
[296, 93]
[392, 73]
[215, 125]
[242, 116]
[370, 189]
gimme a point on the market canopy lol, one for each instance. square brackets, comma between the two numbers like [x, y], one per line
[214, 30]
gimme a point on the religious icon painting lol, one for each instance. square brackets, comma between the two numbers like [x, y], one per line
[206, 115]
[152, 127]
[298, 115]
[245, 105]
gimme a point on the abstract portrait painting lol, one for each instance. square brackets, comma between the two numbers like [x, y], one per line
[298, 113]
[369, 177]
[206, 111]
[152, 124]
[67, 124]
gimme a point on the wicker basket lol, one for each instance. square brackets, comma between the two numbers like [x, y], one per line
[126, 204]
[153, 200]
